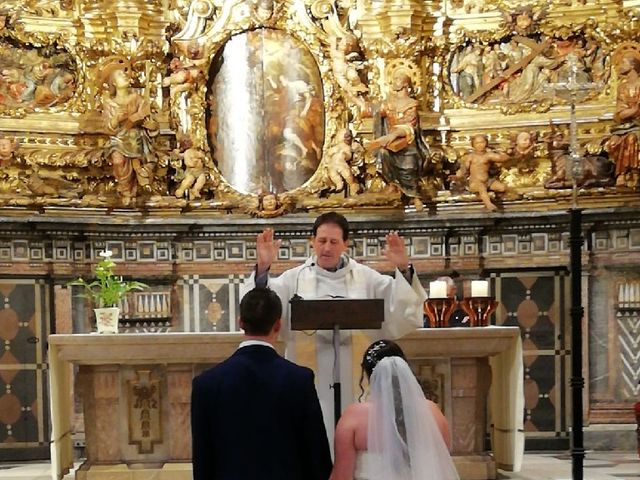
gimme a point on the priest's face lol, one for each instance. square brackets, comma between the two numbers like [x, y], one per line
[329, 245]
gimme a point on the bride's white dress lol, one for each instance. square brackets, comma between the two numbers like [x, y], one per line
[369, 466]
[366, 465]
[403, 438]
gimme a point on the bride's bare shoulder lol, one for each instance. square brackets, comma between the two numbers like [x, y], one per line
[357, 410]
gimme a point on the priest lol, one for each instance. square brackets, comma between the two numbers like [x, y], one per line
[331, 273]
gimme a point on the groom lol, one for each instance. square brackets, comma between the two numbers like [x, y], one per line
[256, 416]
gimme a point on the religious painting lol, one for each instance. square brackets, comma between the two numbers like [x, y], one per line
[518, 69]
[34, 78]
[266, 112]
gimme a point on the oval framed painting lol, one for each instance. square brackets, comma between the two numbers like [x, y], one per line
[265, 118]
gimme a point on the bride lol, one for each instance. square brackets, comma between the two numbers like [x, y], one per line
[397, 434]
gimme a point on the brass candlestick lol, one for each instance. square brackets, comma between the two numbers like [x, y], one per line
[479, 309]
[438, 310]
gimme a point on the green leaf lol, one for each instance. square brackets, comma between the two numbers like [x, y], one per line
[107, 289]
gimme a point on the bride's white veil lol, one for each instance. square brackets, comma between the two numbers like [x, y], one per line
[402, 430]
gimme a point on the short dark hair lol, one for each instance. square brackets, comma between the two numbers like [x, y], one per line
[259, 310]
[336, 219]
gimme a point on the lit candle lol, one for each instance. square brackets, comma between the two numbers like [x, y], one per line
[479, 288]
[438, 289]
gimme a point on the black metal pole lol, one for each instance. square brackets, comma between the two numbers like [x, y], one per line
[577, 312]
[336, 374]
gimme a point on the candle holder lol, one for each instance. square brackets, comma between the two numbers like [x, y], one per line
[479, 309]
[438, 310]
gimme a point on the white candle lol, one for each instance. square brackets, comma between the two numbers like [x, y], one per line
[438, 289]
[479, 288]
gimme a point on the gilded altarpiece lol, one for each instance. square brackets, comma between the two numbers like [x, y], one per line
[172, 131]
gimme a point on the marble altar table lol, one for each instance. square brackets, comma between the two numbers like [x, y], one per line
[136, 388]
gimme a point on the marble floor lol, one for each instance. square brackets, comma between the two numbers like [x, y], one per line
[543, 466]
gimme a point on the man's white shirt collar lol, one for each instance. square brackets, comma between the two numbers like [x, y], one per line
[248, 343]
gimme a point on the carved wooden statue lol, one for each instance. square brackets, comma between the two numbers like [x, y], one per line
[475, 166]
[8, 149]
[399, 142]
[522, 152]
[345, 57]
[195, 174]
[338, 162]
[183, 77]
[623, 144]
[127, 116]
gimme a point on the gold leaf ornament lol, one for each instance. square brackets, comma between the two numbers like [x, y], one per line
[203, 8]
[322, 8]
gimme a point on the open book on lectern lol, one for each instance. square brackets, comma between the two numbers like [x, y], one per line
[327, 313]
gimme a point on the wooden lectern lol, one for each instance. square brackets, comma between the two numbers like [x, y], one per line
[335, 314]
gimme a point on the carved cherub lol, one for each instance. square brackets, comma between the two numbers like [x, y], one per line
[345, 60]
[338, 162]
[268, 204]
[475, 165]
[524, 21]
[522, 152]
[183, 77]
[263, 9]
[195, 174]
[558, 148]
[186, 73]
[8, 149]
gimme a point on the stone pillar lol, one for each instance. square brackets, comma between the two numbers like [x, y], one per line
[101, 393]
[178, 418]
[62, 305]
[470, 381]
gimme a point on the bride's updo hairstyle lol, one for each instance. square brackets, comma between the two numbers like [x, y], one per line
[376, 352]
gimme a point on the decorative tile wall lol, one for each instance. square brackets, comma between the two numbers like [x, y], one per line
[209, 304]
[628, 336]
[24, 407]
[365, 244]
[537, 302]
[204, 268]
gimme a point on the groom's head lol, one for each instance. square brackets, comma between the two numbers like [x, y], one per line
[260, 312]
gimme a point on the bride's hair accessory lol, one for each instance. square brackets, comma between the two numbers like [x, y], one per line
[376, 352]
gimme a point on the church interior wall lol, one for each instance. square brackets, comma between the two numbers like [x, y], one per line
[528, 273]
[114, 136]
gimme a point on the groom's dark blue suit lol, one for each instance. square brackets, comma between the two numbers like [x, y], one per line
[256, 416]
